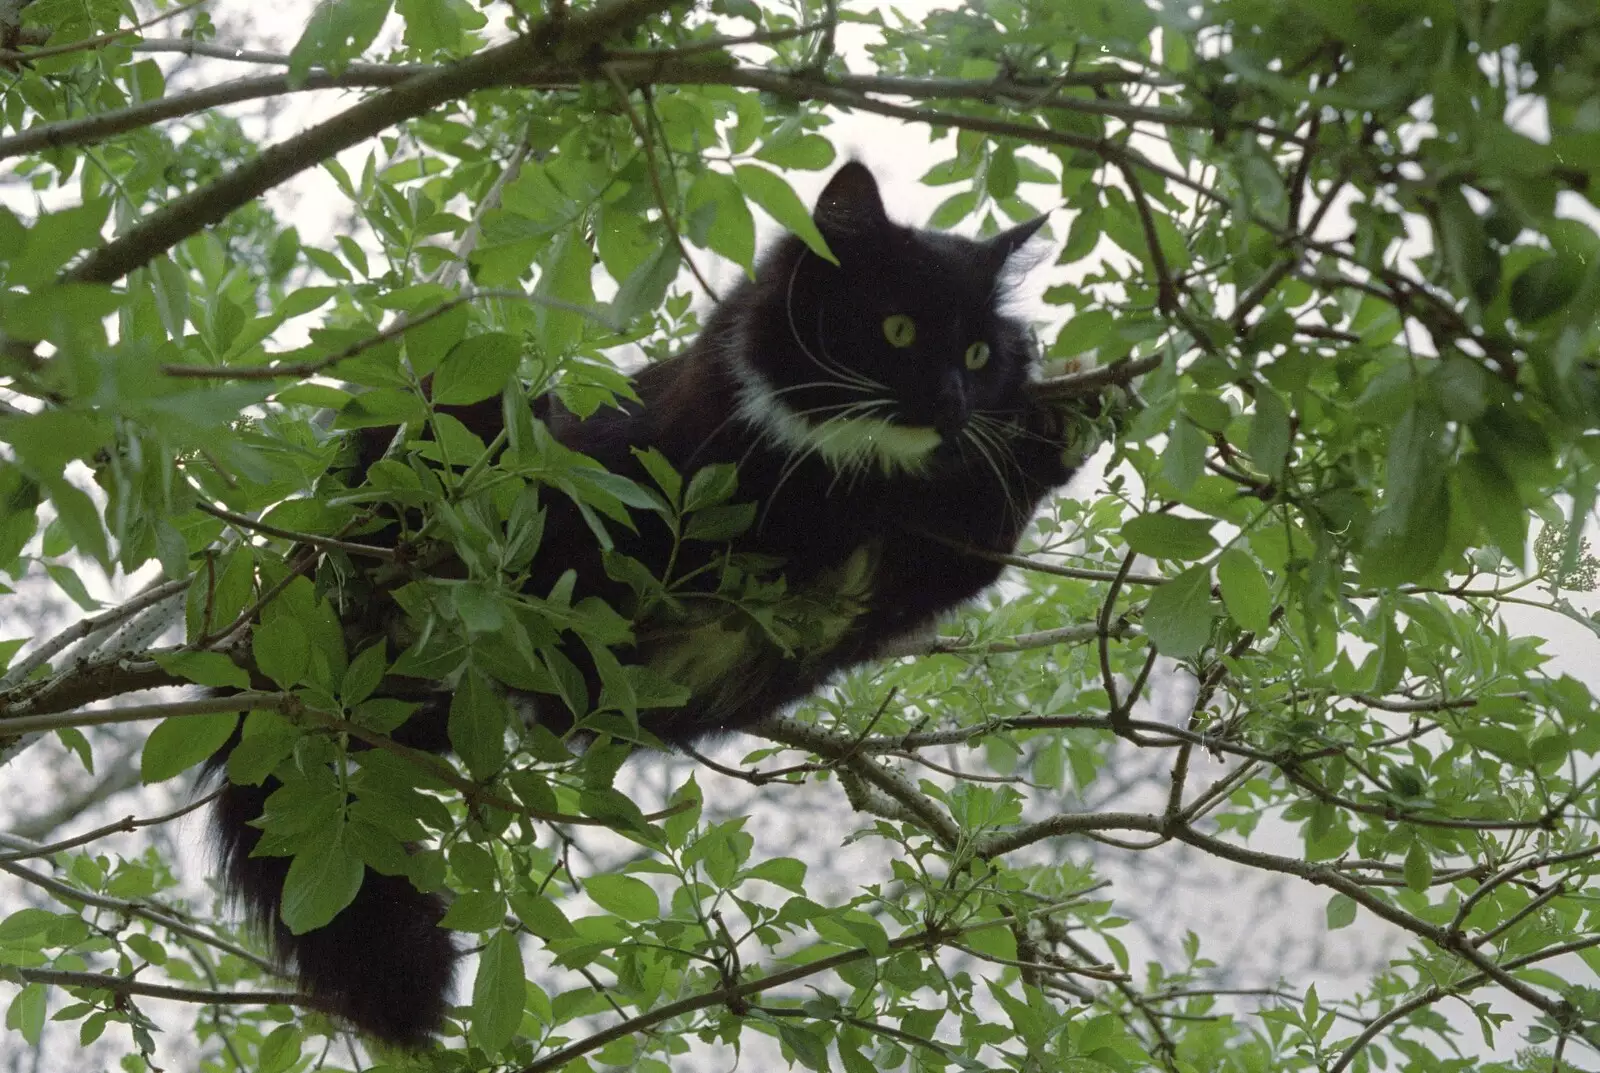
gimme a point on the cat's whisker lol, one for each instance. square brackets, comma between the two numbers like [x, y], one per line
[790, 447]
[989, 435]
[814, 384]
[833, 369]
[798, 455]
[834, 363]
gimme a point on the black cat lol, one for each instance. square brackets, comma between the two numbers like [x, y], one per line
[869, 407]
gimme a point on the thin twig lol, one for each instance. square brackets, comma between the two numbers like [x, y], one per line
[135, 713]
[647, 143]
[74, 896]
[100, 40]
[565, 42]
[127, 985]
[397, 327]
[127, 823]
[369, 551]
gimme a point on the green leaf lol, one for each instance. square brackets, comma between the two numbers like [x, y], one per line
[1341, 912]
[1262, 181]
[25, 924]
[280, 1050]
[268, 740]
[1269, 432]
[808, 152]
[1244, 591]
[1179, 614]
[475, 910]
[478, 724]
[661, 471]
[780, 202]
[27, 1012]
[1083, 333]
[381, 407]
[1001, 177]
[1167, 536]
[730, 230]
[786, 872]
[1544, 288]
[9, 649]
[1494, 498]
[710, 486]
[1418, 868]
[542, 917]
[1461, 387]
[623, 895]
[364, 674]
[431, 25]
[68, 581]
[204, 668]
[180, 742]
[499, 993]
[475, 369]
[1508, 744]
[339, 31]
[646, 287]
[953, 209]
[1473, 263]
[720, 523]
[429, 341]
[323, 878]
[82, 520]
[1408, 535]
[53, 240]
[805, 1042]
[752, 115]
[281, 651]
[1184, 460]
[1391, 654]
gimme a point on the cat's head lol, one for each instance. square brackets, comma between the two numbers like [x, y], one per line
[887, 359]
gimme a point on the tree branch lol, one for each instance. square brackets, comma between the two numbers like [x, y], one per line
[564, 40]
[127, 823]
[235, 702]
[928, 940]
[84, 627]
[98, 127]
[249, 524]
[99, 41]
[73, 896]
[127, 985]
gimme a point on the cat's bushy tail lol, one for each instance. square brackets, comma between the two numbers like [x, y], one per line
[383, 964]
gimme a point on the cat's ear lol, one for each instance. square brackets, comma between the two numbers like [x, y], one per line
[1003, 246]
[849, 207]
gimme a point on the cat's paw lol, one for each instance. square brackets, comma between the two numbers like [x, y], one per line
[1061, 431]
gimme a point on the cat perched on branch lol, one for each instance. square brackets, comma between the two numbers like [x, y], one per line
[817, 461]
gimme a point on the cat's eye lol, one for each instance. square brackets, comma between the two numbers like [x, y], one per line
[900, 330]
[977, 355]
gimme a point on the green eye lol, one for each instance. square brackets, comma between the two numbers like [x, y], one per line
[977, 355]
[900, 330]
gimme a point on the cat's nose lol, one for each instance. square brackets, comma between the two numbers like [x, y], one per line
[950, 405]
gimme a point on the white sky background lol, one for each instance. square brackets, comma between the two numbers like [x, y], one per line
[1261, 927]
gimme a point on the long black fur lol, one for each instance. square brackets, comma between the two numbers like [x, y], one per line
[383, 964]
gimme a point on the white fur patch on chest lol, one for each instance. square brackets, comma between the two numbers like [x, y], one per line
[846, 443]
